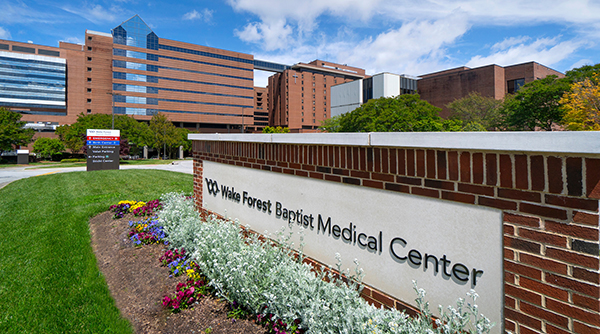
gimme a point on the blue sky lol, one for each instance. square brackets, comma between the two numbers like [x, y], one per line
[404, 37]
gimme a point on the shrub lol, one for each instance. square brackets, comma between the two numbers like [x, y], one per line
[264, 278]
[73, 160]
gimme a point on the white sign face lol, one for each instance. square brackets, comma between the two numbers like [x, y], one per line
[448, 248]
[103, 133]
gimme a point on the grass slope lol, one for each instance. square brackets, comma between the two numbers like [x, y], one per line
[49, 280]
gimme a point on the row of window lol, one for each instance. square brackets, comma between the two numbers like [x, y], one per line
[39, 63]
[34, 105]
[154, 90]
[29, 80]
[31, 87]
[33, 96]
[42, 69]
[151, 112]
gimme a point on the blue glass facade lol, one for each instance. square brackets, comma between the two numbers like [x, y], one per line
[32, 81]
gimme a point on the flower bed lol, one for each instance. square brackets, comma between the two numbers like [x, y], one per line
[264, 280]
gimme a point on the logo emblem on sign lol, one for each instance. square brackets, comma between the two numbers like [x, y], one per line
[212, 186]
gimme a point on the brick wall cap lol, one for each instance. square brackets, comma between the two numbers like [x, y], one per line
[586, 142]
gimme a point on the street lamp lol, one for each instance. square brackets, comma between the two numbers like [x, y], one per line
[112, 111]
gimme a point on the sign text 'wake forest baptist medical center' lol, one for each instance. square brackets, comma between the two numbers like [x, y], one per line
[349, 234]
[448, 248]
[103, 149]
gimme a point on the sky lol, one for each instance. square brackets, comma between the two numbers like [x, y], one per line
[400, 36]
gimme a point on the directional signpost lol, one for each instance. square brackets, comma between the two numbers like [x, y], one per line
[103, 149]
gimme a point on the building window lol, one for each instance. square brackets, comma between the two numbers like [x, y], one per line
[89, 69]
[89, 79]
[302, 94]
[313, 102]
[303, 120]
[89, 90]
[89, 100]
[89, 111]
[89, 38]
[303, 114]
[89, 58]
[302, 107]
[313, 114]
[515, 85]
[313, 84]
[314, 121]
[313, 108]
[89, 48]
[313, 90]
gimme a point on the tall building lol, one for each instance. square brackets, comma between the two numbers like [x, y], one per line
[132, 71]
[441, 88]
[299, 96]
[351, 95]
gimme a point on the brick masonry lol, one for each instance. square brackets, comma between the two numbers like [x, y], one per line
[549, 203]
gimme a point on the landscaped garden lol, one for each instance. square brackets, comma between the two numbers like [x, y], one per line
[168, 269]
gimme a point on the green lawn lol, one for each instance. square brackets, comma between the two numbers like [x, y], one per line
[49, 281]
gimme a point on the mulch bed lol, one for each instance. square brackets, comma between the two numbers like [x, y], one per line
[138, 282]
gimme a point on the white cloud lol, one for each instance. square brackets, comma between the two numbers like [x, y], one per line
[546, 51]
[4, 34]
[206, 15]
[273, 35]
[508, 42]
[96, 14]
[74, 40]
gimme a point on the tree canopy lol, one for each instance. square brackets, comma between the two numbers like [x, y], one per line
[12, 133]
[582, 104]
[479, 113]
[403, 113]
[272, 129]
[47, 147]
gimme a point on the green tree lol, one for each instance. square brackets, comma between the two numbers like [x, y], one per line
[73, 136]
[272, 129]
[12, 133]
[476, 111]
[535, 105]
[583, 72]
[163, 133]
[47, 147]
[403, 113]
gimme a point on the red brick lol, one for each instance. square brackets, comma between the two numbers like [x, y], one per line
[555, 182]
[592, 178]
[497, 203]
[378, 296]
[509, 254]
[316, 175]
[294, 165]
[355, 158]
[410, 162]
[302, 173]
[544, 314]
[425, 192]
[508, 325]
[377, 160]
[382, 177]
[351, 180]
[586, 302]
[522, 318]
[336, 156]
[441, 165]
[403, 162]
[519, 195]
[344, 153]
[522, 294]
[335, 178]
[453, 166]
[288, 171]
[543, 237]
[591, 290]
[570, 202]
[505, 171]
[393, 161]
[574, 312]
[543, 211]
[339, 171]
[420, 160]
[473, 189]
[521, 220]
[536, 168]
[372, 301]
[370, 159]
[373, 184]
[521, 178]
[508, 229]
[385, 161]
[274, 169]
[509, 301]
[491, 171]
[544, 289]
[574, 177]
[522, 270]
[439, 184]
[524, 245]
[586, 218]
[543, 263]
[525, 330]
[397, 187]
[458, 197]
[408, 180]
[430, 164]
[572, 230]
[509, 277]
[360, 174]
[551, 329]
[309, 168]
[586, 275]
[465, 167]
[578, 259]
[477, 168]
[363, 158]
[579, 327]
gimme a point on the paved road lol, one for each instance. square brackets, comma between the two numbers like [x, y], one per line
[10, 174]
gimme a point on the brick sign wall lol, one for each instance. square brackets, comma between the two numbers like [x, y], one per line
[547, 186]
